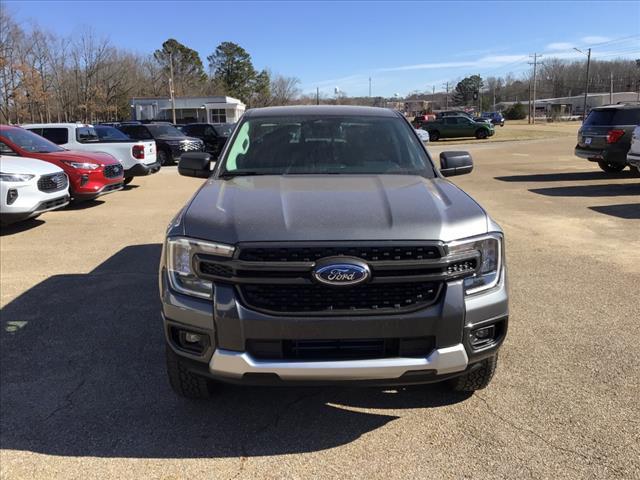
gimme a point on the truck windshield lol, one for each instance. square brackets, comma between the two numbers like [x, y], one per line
[29, 141]
[110, 133]
[326, 145]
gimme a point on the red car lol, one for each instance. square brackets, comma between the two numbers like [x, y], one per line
[90, 174]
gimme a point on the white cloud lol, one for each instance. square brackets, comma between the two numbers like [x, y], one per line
[595, 39]
[493, 60]
[559, 46]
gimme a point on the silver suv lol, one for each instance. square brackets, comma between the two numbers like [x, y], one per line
[326, 247]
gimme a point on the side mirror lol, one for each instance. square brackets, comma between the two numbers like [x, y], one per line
[455, 163]
[195, 164]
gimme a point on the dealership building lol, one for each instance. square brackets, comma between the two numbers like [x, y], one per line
[574, 105]
[188, 109]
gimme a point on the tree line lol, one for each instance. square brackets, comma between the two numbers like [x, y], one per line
[45, 77]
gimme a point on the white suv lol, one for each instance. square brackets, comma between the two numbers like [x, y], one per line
[29, 187]
[633, 157]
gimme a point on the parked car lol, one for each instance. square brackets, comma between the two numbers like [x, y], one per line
[633, 157]
[457, 126]
[30, 187]
[495, 117]
[213, 135]
[171, 143]
[138, 157]
[331, 250]
[605, 135]
[90, 174]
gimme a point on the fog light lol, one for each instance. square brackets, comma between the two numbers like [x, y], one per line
[12, 194]
[83, 180]
[192, 337]
[483, 336]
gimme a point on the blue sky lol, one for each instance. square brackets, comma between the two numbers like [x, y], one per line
[402, 46]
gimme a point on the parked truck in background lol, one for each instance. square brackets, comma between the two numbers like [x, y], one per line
[138, 157]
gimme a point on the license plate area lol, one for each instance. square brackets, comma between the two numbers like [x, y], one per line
[586, 140]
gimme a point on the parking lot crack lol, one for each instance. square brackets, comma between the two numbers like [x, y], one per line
[549, 443]
[67, 401]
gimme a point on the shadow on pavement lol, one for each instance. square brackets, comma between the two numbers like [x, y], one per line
[81, 205]
[605, 190]
[18, 227]
[565, 176]
[629, 211]
[82, 368]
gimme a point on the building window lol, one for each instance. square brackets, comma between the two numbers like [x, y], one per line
[218, 115]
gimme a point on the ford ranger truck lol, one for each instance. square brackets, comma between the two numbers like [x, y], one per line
[138, 157]
[325, 247]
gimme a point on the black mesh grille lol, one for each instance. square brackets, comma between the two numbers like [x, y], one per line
[372, 297]
[215, 269]
[309, 254]
[53, 182]
[340, 349]
[113, 171]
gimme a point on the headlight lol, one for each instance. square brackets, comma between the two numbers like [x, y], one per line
[15, 177]
[82, 165]
[182, 277]
[490, 264]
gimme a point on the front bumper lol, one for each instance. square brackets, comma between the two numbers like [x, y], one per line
[12, 215]
[142, 169]
[228, 324]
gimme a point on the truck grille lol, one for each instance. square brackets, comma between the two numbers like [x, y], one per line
[309, 254]
[53, 182]
[113, 171]
[372, 297]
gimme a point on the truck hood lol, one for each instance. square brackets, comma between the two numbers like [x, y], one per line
[331, 207]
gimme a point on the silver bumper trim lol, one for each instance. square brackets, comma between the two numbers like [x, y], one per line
[228, 363]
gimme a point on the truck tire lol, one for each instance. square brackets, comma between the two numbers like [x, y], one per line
[610, 167]
[481, 134]
[183, 382]
[164, 158]
[476, 379]
[434, 135]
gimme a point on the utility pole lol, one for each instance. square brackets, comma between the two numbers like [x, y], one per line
[586, 81]
[611, 88]
[317, 95]
[479, 95]
[171, 91]
[447, 96]
[369, 87]
[535, 77]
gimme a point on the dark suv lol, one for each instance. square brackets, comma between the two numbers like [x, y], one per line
[605, 135]
[326, 247]
[214, 135]
[171, 143]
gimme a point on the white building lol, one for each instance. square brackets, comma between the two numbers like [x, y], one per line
[188, 109]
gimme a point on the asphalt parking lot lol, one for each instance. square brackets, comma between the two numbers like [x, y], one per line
[84, 392]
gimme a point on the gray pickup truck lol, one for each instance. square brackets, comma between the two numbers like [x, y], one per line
[325, 247]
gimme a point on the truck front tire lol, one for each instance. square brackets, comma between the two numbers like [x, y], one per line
[476, 379]
[184, 382]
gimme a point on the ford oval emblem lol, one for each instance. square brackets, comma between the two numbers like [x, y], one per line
[342, 273]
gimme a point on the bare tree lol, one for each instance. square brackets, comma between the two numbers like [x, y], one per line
[284, 89]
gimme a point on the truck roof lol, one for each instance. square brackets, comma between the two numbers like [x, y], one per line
[56, 125]
[328, 110]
